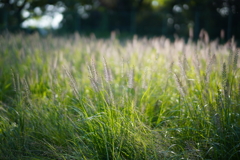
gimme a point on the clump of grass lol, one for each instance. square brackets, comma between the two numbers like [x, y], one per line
[87, 98]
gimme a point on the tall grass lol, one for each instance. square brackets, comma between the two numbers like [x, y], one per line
[86, 98]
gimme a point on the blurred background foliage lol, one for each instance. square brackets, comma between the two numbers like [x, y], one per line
[143, 17]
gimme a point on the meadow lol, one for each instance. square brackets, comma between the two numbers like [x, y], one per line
[81, 97]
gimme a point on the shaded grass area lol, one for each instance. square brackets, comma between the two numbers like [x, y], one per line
[86, 98]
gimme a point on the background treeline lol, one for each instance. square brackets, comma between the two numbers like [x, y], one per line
[142, 17]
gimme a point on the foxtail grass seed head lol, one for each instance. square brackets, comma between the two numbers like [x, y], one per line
[197, 64]
[235, 60]
[225, 81]
[94, 71]
[14, 81]
[224, 73]
[72, 83]
[179, 85]
[106, 71]
[111, 95]
[110, 75]
[183, 70]
[219, 99]
[26, 87]
[90, 71]
[94, 84]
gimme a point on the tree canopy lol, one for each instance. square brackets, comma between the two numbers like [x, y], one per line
[133, 16]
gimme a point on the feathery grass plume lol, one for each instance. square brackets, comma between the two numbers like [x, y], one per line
[18, 83]
[14, 81]
[230, 58]
[122, 68]
[131, 78]
[73, 83]
[225, 81]
[106, 71]
[183, 70]
[27, 91]
[219, 100]
[179, 85]
[93, 75]
[197, 64]
[185, 62]
[94, 71]
[94, 84]
[110, 75]
[90, 71]
[111, 95]
[224, 72]
[123, 98]
[235, 60]
[26, 87]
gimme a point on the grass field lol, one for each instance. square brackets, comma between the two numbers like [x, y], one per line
[86, 98]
